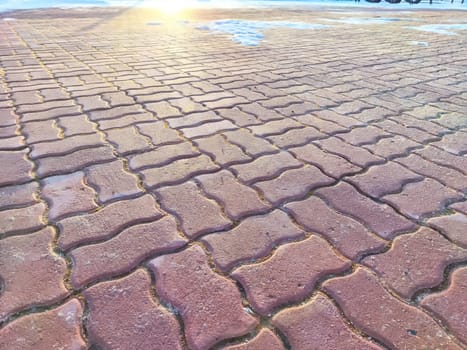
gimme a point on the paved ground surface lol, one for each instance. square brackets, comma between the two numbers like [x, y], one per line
[163, 187]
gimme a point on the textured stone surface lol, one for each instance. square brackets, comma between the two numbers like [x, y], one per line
[384, 317]
[254, 238]
[318, 324]
[289, 275]
[265, 339]
[30, 274]
[407, 272]
[18, 169]
[53, 329]
[446, 305]
[453, 226]
[21, 220]
[123, 314]
[182, 199]
[209, 304]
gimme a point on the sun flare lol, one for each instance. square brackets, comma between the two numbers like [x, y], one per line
[172, 7]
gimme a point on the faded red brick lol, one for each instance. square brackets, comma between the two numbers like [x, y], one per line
[380, 218]
[223, 152]
[159, 133]
[289, 275]
[318, 324]
[350, 237]
[254, 238]
[249, 143]
[453, 226]
[124, 251]
[123, 314]
[182, 199]
[67, 195]
[59, 327]
[18, 169]
[21, 219]
[407, 272]
[107, 222]
[384, 317]
[31, 274]
[422, 198]
[19, 195]
[210, 305]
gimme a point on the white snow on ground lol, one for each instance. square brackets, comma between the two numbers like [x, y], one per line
[446, 29]
[371, 20]
[249, 32]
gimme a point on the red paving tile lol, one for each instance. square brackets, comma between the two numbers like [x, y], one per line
[171, 189]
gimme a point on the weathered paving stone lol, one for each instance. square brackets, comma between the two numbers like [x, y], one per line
[265, 167]
[183, 199]
[193, 119]
[380, 180]
[208, 129]
[289, 275]
[237, 200]
[382, 316]
[422, 198]
[380, 218]
[318, 324]
[178, 171]
[446, 306]
[107, 222]
[73, 161]
[330, 164]
[210, 305]
[127, 140]
[444, 158]
[124, 252]
[275, 127]
[407, 272]
[31, 274]
[67, 195]
[125, 121]
[51, 113]
[251, 144]
[363, 136]
[123, 314]
[447, 176]
[64, 146]
[162, 156]
[296, 137]
[18, 169]
[158, 133]
[293, 184]
[392, 147]
[53, 329]
[350, 237]
[223, 152]
[265, 339]
[21, 219]
[254, 238]
[19, 195]
[453, 143]
[452, 226]
[355, 155]
[75, 125]
[111, 181]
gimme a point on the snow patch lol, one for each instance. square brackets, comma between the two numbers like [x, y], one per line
[445, 29]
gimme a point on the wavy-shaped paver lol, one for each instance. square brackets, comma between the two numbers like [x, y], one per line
[265, 339]
[123, 314]
[384, 317]
[30, 274]
[210, 305]
[453, 226]
[289, 275]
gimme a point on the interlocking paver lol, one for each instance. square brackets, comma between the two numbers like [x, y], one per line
[31, 274]
[182, 199]
[159, 133]
[446, 306]
[67, 195]
[392, 147]
[111, 181]
[253, 145]
[265, 167]
[443, 158]
[296, 137]
[223, 152]
[144, 324]
[289, 275]
[18, 170]
[422, 198]
[59, 327]
[237, 200]
[293, 184]
[124, 252]
[453, 226]
[318, 324]
[350, 237]
[21, 219]
[407, 326]
[407, 272]
[107, 222]
[210, 305]
[178, 171]
[380, 180]
[75, 125]
[265, 339]
[19, 195]
[254, 238]
[380, 218]
[65, 146]
[208, 129]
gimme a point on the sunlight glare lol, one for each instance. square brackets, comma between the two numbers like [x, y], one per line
[172, 7]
